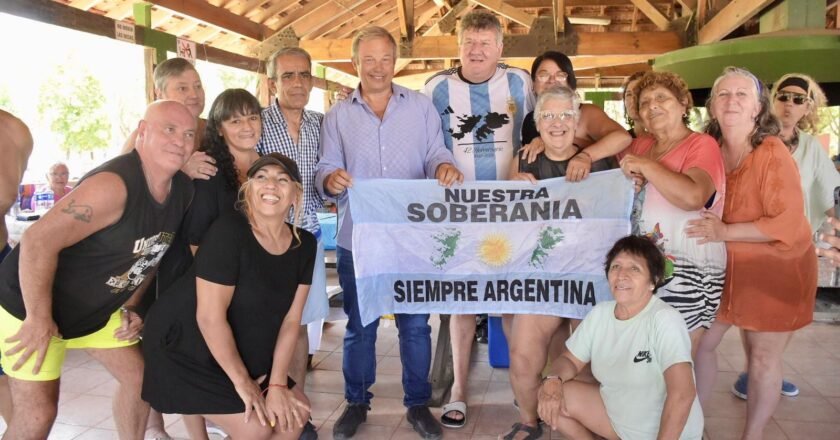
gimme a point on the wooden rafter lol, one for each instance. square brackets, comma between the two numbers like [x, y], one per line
[729, 18]
[216, 16]
[589, 43]
[83, 4]
[361, 16]
[506, 10]
[344, 28]
[533, 4]
[243, 6]
[121, 11]
[405, 13]
[652, 13]
[446, 24]
[294, 16]
[261, 15]
[558, 8]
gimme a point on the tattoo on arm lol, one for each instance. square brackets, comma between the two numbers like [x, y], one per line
[82, 213]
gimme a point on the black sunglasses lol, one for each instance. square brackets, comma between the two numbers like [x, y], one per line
[797, 98]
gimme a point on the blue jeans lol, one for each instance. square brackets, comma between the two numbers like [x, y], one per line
[359, 363]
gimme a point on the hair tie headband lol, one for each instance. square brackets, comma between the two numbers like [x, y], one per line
[798, 82]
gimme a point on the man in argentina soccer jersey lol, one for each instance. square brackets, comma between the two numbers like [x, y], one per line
[482, 105]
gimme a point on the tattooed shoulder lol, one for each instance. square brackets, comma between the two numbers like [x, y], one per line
[82, 213]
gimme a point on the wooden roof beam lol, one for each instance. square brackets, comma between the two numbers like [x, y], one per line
[652, 13]
[294, 16]
[350, 20]
[216, 16]
[730, 18]
[405, 12]
[558, 8]
[533, 4]
[506, 10]
[522, 46]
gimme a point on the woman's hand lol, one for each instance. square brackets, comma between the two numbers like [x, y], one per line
[551, 403]
[531, 151]
[285, 409]
[249, 392]
[524, 176]
[200, 166]
[709, 229]
[579, 166]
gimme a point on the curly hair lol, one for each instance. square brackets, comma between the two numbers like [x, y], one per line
[816, 101]
[243, 204]
[671, 81]
[230, 103]
[766, 123]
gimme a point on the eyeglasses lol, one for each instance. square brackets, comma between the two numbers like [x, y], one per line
[560, 116]
[797, 98]
[558, 76]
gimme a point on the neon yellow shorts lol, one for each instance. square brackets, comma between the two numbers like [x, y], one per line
[51, 367]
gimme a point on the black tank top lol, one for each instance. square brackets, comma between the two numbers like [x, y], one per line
[97, 275]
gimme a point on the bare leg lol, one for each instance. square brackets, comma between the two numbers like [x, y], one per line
[529, 339]
[196, 427]
[300, 358]
[765, 379]
[5, 399]
[130, 411]
[587, 413]
[235, 426]
[695, 337]
[35, 407]
[154, 425]
[705, 364]
[461, 334]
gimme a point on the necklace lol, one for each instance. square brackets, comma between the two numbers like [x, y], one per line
[738, 163]
[151, 186]
[656, 157]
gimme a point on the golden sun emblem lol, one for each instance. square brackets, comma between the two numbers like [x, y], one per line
[495, 250]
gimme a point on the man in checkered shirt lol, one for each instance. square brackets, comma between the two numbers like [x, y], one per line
[290, 129]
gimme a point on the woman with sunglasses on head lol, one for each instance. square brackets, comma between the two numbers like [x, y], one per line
[533, 339]
[596, 135]
[797, 99]
[679, 176]
[771, 265]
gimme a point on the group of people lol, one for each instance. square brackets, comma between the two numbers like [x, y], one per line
[215, 221]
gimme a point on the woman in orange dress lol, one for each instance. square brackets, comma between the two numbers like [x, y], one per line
[771, 267]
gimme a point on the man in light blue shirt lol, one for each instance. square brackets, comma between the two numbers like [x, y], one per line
[381, 131]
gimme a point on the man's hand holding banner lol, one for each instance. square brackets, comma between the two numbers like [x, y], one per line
[486, 247]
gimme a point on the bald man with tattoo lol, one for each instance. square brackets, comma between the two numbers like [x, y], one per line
[73, 280]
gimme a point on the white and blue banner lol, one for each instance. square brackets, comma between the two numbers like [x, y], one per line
[487, 246]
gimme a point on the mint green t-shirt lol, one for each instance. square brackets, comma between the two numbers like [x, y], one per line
[629, 359]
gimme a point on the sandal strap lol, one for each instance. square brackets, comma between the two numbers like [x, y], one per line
[534, 432]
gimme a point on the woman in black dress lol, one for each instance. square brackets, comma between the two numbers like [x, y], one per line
[219, 343]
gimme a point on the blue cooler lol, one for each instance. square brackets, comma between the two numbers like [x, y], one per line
[497, 344]
[329, 230]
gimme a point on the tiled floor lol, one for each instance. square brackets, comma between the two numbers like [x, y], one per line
[812, 361]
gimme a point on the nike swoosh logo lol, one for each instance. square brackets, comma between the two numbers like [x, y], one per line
[638, 359]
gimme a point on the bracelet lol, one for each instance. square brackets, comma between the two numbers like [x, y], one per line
[278, 385]
[126, 308]
[553, 378]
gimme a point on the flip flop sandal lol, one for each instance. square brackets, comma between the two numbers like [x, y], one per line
[534, 433]
[458, 407]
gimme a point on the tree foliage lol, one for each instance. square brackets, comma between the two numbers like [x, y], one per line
[73, 104]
